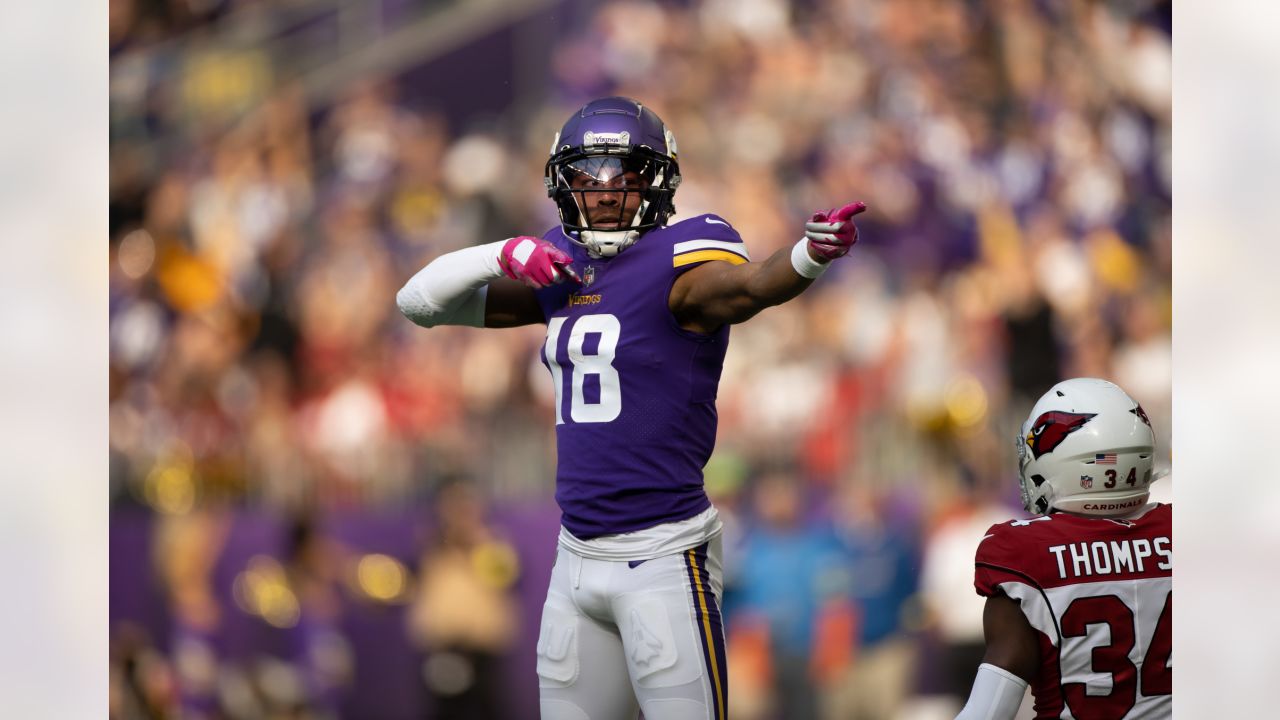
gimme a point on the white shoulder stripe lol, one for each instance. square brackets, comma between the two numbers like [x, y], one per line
[737, 248]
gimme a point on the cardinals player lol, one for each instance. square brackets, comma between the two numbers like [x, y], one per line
[637, 314]
[1080, 597]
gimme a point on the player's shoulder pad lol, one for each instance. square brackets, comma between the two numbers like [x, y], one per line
[1004, 541]
[990, 542]
[706, 237]
[1002, 555]
[1160, 516]
[556, 236]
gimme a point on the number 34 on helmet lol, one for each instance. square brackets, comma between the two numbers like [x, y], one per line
[1086, 448]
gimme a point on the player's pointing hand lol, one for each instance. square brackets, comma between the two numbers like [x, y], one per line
[536, 262]
[832, 233]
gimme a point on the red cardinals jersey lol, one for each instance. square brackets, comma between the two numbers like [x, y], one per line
[1099, 593]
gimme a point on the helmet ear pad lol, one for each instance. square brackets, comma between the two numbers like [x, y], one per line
[1087, 447]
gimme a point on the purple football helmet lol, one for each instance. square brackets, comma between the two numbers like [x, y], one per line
[612, 145]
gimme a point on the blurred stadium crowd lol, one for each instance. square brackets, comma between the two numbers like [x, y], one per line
[320, 510]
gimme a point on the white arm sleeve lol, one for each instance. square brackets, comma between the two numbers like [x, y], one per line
[996, 695]
[451, 289]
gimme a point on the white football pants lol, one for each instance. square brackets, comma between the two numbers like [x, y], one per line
[616, 639]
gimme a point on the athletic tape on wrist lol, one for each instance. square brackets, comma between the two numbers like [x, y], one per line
[803, 263]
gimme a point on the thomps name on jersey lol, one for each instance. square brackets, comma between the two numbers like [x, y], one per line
[1116, 557]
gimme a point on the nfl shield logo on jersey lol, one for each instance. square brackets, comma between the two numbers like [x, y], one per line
[589, 276]
[1086, 481]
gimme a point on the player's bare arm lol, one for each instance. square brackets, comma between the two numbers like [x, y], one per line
[510, 304]
[720, 293]
[1007, 667]
[1011, 642]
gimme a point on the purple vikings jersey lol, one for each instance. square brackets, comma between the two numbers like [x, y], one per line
[635, 393]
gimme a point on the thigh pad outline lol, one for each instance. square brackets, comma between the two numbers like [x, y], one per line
[558, 643]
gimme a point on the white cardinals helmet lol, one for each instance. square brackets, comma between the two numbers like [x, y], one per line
[1086, 448]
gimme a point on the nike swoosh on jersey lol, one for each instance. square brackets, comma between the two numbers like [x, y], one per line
[717, 222]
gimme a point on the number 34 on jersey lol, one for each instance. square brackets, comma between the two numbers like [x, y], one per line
[1099, 594]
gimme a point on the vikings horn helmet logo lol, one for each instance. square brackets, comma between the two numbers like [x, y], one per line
[1051, 428]
[1142, 414]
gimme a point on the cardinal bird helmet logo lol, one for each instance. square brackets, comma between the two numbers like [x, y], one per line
[1051, 428]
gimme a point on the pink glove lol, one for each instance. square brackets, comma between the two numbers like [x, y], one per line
[535, 262]
[832, 233]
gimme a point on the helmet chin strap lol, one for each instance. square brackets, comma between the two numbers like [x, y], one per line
[607, 243]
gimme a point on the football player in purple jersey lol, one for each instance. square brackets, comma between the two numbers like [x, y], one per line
[637, 314]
